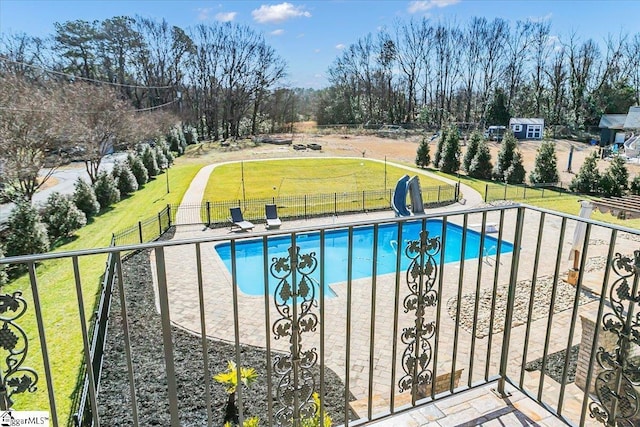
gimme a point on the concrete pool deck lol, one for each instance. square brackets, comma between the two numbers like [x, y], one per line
[471, 354]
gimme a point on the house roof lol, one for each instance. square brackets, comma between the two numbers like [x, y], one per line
[633, 118]
[612, 121]
[525, 121]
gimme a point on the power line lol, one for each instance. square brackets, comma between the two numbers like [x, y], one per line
[60, 73]
[31, 110]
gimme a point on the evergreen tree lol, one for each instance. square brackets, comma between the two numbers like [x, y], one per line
[546, 166]
[505, 156]
[127, 182]
[423, 158]
[635, 185]
[497, 113]
[587, 180]
[515, 173]
[481, 166]
[615, 179]
[450, 160]
[106, 190]
[150, 162]
[85, 198]
[138, 169]
[61, 216]
[437, 156]
[28, 233]
[472, 149]
[190, 135]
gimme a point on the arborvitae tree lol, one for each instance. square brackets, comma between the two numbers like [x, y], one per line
[450, 161]
[498, 114]
[190, 135]
[150, 162]
[437, 156]
[481, 166]
[173, 141]
[635, 185]
[85, 198]
[615, 179]
[587, 180]
[127, 182]
[546, 167]
[28, 233]
[106, 190]
[161, 159]
[423, 158]
[472, 149]
[61, 216]
[138, 169]
[515, 174]
[505, 156]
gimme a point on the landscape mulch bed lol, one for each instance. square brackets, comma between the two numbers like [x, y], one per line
[150, 372]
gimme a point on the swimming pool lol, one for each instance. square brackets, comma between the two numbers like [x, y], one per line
[250, 256]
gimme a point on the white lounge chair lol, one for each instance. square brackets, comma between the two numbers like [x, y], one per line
[238, 223]
[271, 215]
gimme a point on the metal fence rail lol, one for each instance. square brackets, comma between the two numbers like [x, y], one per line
[498, 191]
[422, 308]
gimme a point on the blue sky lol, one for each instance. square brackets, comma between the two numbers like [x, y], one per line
[310, 34]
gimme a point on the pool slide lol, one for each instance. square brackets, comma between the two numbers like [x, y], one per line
[415, 194]
[399, 201]
[631, 148]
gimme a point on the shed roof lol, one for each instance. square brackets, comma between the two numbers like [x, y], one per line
[525, 121]
[633, 118]
[612, 121]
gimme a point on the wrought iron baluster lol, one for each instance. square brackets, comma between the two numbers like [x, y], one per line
[421, 278]
[617, 385]
[14, 378]
[294, 299]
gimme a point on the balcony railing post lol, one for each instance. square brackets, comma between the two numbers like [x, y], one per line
[513, 279]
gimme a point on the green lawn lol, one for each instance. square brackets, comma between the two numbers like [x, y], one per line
[57, 292]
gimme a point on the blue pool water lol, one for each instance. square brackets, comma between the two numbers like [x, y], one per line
[250, 256]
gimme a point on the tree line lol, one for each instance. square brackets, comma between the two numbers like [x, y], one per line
[481, 72]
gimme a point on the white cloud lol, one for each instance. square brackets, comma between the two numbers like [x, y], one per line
[278, 13]
[544, 18]
[340, 46]
[226, 16]
[425, 5]
[278, 32]
[316, 51]
[203, 13]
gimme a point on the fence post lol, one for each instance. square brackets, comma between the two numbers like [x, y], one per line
[524, 192]
[438, 193]
[140, 231]
[305, 206]
[505, 190]
[159, 224]
[169, 214]
[363, 210]
[208, 213]
[335, 204]
[542, 196]
[486, 192]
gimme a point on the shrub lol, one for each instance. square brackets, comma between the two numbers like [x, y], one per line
[150, 162]
[437, 156]
[515, 174]
[505, 156]
[546, 165]
[106, 190]
[481, 166]
[229, 379]
[28, 233]
[161, 159]
[422, 156]
[635, 185]
[615, 179]
[138, 169]
[85, 198]
[472, 149]
[190, 135]
[587, 180]
[61, 216]
[450, 161]
[127, 182]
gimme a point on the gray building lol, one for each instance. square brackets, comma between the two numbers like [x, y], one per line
[527, 128]
[614, 127]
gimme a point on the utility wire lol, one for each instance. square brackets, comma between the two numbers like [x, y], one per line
[83, 78]
[85, 112]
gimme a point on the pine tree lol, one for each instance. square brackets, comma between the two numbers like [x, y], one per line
[150, 162]
[61, 216]
[437, 156]
[635, 185]
[587, 180]
[472, 149]
[85, 198]
[546, 165]
[106, 189]
[28, 233]
[505, 156]
[615, 180]
[423, 158]
[481, 166]
[515, 174]
[127, 182]
[138, 169]
[450, 161]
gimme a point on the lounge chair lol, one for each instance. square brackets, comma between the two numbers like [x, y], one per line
[271, 214]
[238, 222]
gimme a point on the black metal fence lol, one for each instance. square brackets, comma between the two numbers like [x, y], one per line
[496, 191]
[304, 206]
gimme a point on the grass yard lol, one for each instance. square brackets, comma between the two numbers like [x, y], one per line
[57, 291]
[266, 179]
